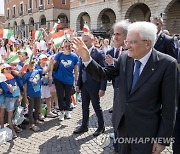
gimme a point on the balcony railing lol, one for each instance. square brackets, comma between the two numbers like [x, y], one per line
[30, 10]
[13, 16]
[41, 7]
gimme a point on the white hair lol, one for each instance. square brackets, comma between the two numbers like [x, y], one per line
[146, 30]
[123, 24]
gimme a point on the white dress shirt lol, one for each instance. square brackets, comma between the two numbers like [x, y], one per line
[143, 61]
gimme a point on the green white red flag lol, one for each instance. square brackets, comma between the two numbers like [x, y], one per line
[26, 64]
[58, 38]
[36, 34]
[55, 27]
[86, 27]
[6, 33]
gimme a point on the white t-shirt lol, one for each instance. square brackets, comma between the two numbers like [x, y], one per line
[3, 51]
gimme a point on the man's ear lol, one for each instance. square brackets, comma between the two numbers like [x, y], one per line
[149, 44]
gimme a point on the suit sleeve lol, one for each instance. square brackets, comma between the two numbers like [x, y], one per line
[103, 73]
[170, 47]
[103, 83]
[169, 93]
[79, 81]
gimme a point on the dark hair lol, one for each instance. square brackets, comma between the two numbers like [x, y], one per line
[11, 47]
[5, 43]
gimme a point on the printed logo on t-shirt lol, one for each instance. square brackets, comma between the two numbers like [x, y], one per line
[66, 63]
[34, 79]
[16, 91]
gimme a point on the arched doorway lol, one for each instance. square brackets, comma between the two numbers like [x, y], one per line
[22, 28]
[43, 22]
[138, 12]
[63, 19]
[82, 18]
[172, 13]
[15, 28]
[31, 24]
[106, 19]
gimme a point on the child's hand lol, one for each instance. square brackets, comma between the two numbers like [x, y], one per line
[10, 87]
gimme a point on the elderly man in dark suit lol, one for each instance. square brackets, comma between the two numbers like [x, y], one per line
[144, 107]
[164, 43]
[91, 90]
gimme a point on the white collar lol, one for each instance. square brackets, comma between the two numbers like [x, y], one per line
[144, 60]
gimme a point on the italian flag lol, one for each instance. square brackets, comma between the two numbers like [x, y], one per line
[58, 38]
[26, 64]
[11, 40]
[12, 59]
[67, 33]
[86, 27]
[55, 27]
[6, 33]
[36, 34]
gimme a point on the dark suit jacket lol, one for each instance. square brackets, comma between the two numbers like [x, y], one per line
[110, 52]
[165, 44]
[149, 110]
[91, 84]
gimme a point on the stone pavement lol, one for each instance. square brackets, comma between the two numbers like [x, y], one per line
[56, 137]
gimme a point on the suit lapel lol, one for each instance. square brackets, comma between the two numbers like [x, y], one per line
[129, 72]
[92, 52]
[148, 70]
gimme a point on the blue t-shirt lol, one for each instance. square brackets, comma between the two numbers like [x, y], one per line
[19, 79]
[45, 77]
[33, 80]
[66, 66]
[6, 91]
[1, 94]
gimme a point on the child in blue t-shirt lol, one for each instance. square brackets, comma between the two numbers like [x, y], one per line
[11, 93]
[32, 92]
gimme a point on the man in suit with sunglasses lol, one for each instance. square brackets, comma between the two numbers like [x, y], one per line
[164, 43]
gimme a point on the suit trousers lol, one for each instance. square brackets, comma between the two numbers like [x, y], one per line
[88, 96]
[130, 148]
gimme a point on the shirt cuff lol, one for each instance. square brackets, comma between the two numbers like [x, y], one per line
[87, 62]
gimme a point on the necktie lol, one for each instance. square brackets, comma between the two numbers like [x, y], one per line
[117, 53]
[136, 73]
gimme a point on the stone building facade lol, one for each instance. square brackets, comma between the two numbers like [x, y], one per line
[25, 15]
[102, 14]
[2, 21]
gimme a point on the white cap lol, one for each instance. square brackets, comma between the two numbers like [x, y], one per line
[5, 66]
[42, 56]
[43, 45]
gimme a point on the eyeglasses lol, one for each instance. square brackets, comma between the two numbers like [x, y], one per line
[132, 42]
